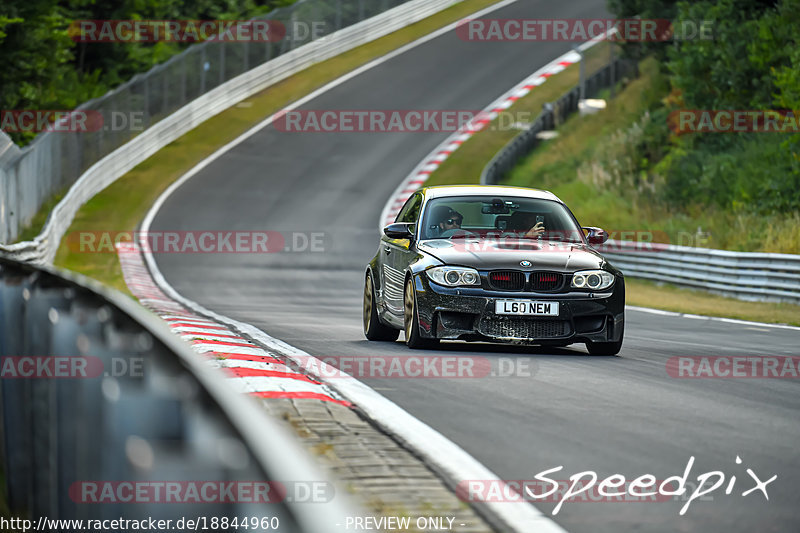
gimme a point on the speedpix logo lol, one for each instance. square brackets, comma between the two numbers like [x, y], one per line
[589, 487]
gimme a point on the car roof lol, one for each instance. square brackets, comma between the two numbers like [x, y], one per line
[442, 191]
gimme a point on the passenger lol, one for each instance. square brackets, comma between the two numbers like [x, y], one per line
[536, 231]
[525, 223]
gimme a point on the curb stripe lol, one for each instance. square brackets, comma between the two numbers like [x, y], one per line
[250, 368]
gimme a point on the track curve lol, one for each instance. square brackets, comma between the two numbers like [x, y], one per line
[612, 415]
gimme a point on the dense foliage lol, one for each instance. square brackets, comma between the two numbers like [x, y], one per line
[752, 63]
[43, 68]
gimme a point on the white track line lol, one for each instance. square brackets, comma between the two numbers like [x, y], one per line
[238, 350]
[711, 318]
[197, 336]
[448, 458]
[254, 365]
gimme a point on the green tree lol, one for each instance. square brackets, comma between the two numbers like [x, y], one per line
[43, 68]
[36, 54]
[646, 9]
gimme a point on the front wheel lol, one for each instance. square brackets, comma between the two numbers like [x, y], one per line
[411, 315]
[606, 348]
[373, 329]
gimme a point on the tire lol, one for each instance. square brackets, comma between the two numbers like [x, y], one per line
[606, 348]
[411, 318]
[373, 329]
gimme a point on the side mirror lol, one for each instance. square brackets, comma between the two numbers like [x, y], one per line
[596, 235]
[399, 230]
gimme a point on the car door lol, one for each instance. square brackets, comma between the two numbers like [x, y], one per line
[395, 258]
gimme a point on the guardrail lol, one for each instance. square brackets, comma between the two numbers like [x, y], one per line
[552, 115]
[743, 275]
[89, 162]
[145, 409]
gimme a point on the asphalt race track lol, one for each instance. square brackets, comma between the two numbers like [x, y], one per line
[612, 415]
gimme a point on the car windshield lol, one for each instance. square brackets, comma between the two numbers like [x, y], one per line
[491, 217]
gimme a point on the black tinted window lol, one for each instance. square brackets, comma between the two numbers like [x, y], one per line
[410, 211]
[488, 217]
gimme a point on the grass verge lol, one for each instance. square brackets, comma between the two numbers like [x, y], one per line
[122, 205]
[465, 164]
[555, 166]
[671, 298]
[594, 167]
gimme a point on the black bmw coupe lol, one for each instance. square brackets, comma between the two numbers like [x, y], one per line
[498, 264]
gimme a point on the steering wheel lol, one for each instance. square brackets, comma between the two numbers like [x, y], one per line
[457, 232]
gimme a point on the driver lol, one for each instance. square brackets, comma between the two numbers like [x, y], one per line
[453, 221]
[445, 218]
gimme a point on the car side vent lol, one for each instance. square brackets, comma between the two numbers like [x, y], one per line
[507, 280]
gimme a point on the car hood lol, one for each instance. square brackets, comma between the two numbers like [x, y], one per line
[489, 254]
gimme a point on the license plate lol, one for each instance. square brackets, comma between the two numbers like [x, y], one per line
[525, 307]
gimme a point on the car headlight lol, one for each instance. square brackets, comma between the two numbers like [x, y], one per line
[454, 276]
[595, 280]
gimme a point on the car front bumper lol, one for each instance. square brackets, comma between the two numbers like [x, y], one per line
[469, 314]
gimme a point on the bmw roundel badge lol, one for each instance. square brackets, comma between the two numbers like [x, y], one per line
[525, 264]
